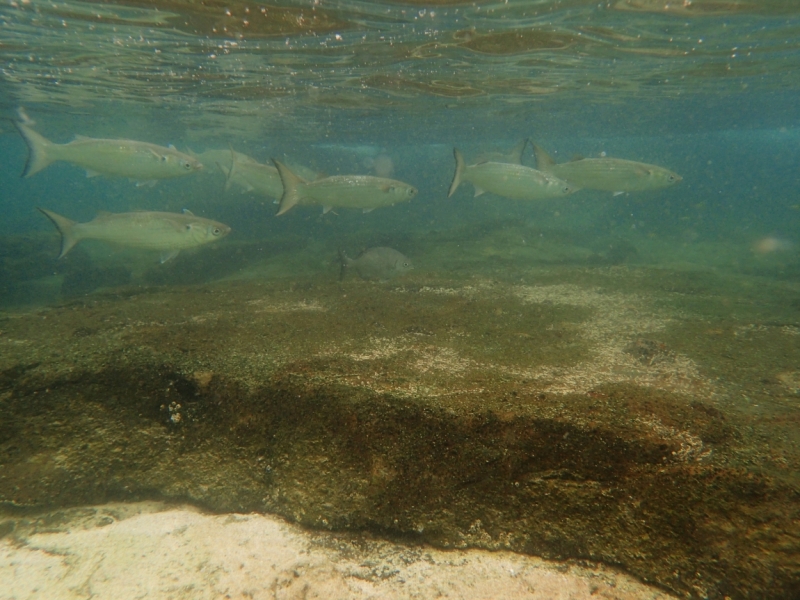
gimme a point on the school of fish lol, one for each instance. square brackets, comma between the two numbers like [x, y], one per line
[294, 185]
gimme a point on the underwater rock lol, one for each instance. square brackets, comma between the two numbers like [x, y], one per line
[462, 413]
[649, 352]
[118, 551]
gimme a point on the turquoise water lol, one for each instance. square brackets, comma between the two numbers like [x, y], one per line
[707, 89]
[606, 299]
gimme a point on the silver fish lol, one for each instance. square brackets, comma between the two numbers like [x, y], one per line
[139, 161]
[376, 263]
[345, 191]
[508, 180]
[254, 176]
[608, 174]
[513, 156]
[168, 233]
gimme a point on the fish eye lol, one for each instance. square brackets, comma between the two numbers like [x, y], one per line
[216, 231]
[671, 177]
[411, 191]
[405, 264]
[187, 165]
[567, 189]
[188, 227]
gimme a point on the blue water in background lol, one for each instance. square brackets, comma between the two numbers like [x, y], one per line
[710, 267]
[734, 135]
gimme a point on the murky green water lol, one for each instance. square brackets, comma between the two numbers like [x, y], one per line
[663, 318]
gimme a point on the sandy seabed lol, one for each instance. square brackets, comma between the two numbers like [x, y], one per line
[154, 551]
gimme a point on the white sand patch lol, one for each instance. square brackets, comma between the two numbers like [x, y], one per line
[441, 359]
[267, 306]
[462, 291]
[378, 348]
[181, 554]
[617, 320]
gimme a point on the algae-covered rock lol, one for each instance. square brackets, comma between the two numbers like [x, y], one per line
[593, 421]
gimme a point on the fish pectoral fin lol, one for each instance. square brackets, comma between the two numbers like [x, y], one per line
[369, 210]
[149, 183]
[168, 255]
[80, 138]
[157, 155]
[479, 191]
[92, 173]
[618, 193]
[186, 211]
[326, 209]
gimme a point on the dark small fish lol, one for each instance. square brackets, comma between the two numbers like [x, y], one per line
[376, 263]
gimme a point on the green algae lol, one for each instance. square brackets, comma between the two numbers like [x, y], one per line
[548, 397]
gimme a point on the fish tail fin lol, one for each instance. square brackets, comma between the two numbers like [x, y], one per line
[460, 166]
[345, 261]
[225, 171]
[229, 173]
[544, 162]
[66, 227]
[39, 146]
[290, 182]
[515, 156]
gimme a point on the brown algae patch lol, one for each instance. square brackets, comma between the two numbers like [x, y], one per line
[562, 420]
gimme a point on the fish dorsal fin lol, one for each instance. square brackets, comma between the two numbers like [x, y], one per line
[326, 209]
[171, 147]
[369, 210]
[186, 211]
[479, 191]
[544, 162]
[577, 157]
